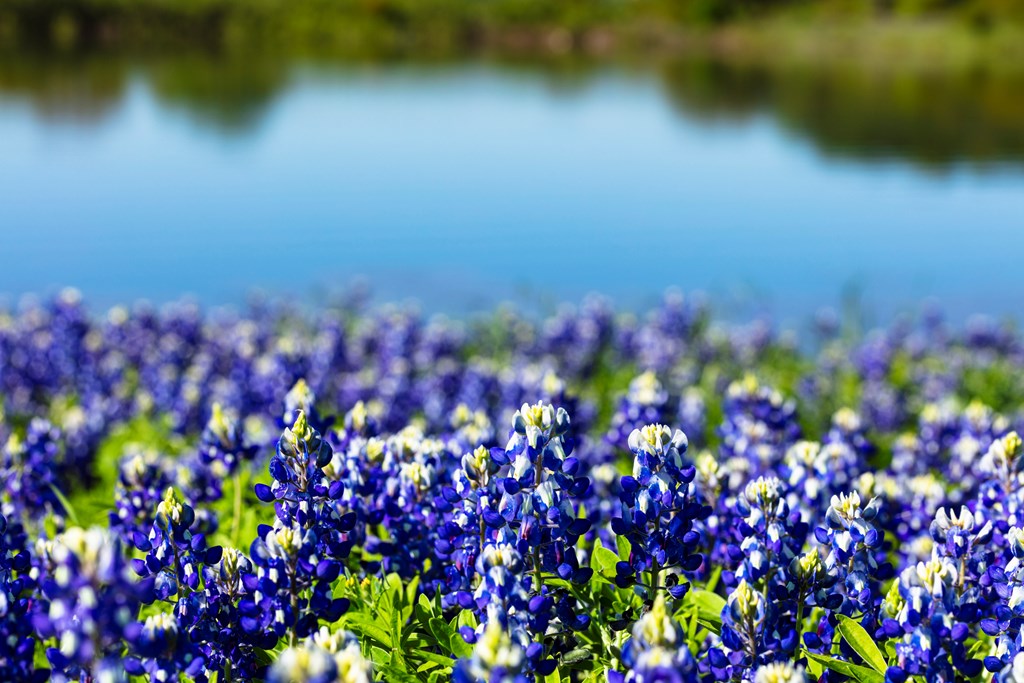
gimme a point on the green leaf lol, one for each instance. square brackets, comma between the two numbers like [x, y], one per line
[603, 562]
[862, 643]
[575, 656]
[459, 647]
[396, 635]
[365, 625]
[394, 674]
[712, 581]
[622, 545]
[449, 639]
[860, 674]
[467, 618]
[426, 606]
[708, 606]
[815, 669]
[440, 660]
[409, 598]
[68, 508]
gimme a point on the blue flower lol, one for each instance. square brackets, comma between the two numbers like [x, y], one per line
[659, 511]
[657, 651]
[89, 601]
[175, 553]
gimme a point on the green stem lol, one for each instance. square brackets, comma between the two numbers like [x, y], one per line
[800, 614]
[294, 603]
[655, 567]
[538, 470]
[236, 519]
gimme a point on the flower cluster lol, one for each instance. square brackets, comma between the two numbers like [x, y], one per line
[89, 602]
[174, 552]
[17, 638]
[324, 657]
[657, 651]
[658, 512]
[875, 481]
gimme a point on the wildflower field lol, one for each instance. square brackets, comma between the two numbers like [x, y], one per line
[367, 494]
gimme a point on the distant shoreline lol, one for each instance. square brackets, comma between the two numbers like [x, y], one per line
[514, 28]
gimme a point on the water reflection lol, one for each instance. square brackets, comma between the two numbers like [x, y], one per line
[932, 120]
[928, 118]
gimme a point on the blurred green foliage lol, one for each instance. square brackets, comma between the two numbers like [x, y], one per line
[528, 26]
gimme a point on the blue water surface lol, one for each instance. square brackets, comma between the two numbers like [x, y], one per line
[467, 186]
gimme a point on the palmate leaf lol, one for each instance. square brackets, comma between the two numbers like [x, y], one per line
[862, 643]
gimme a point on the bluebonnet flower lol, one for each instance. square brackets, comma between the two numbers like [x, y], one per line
[469, 502]
[496, 658]
[767, 538]
[957, 536]
[759, 424]
[301, 492]
[938, 430]
[175, 553]
[89, 602]
[540, 482]
[658, 511]
[1001, 493]
[143, 478]
[301, 399]
[222, 449]
[29, 470]
[502, 593]
[299, 557]
[772, 533]
[294, 581]
[907, 508]
[535, 535]
[222, 445]
[743, 619]
[17, 587]
[779, 672]
[809, 475]
[853, 542]
[402, 500]
[224, 621]
[657, 651]
[922, 609]
[324, 657]
[809, 583]
[161, 652]
[646, 402]
[978, 427]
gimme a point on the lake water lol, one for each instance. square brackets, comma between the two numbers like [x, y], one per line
[464, 185]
